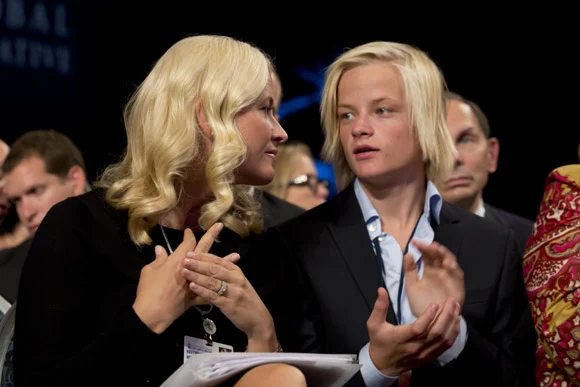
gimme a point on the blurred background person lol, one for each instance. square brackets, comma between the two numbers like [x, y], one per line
[4, 205]
[476, 158]
[296, 179]
[42, 168]
[12, 231]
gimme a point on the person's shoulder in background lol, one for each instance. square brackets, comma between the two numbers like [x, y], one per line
[521, 226]
[275, 210]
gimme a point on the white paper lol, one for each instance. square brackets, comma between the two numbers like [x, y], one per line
[193, 345]
[4, 305]
[211, 369]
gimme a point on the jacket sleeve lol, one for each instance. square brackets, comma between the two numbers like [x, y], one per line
[281, 284]
[504, 355]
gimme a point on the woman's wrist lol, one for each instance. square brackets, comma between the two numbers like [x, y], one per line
[267, 342]
[151, 320]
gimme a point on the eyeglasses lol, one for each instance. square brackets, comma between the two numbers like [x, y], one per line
[309, 181]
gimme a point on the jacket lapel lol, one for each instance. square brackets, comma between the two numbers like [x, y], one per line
[348, 229]
[448, 232]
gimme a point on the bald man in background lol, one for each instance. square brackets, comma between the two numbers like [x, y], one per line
[477, 158]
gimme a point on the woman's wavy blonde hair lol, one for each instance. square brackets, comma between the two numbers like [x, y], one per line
[424, 85]
[166, 145]
[285, 161]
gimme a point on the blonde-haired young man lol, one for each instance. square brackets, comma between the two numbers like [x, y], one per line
[410, 283]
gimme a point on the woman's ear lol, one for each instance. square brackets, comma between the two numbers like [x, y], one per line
[200, 116]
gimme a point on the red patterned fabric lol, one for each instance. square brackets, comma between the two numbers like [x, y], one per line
[552, 276]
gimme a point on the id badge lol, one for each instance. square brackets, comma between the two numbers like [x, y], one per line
[193, 345]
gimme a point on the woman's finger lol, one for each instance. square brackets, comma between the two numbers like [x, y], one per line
[210, 259]
[218, 300]
[209, 238]
[189, 243]
[210, 283]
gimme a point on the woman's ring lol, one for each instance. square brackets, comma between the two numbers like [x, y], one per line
[223, 288]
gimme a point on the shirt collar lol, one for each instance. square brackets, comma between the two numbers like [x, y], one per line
[432, 208]
[480, 209]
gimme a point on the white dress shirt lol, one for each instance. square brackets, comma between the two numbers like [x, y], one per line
[392, 257]
[480, 210]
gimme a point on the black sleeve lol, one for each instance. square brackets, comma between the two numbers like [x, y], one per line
[501, 359]
[286, 294]
[59, 336]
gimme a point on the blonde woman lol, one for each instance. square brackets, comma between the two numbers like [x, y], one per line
[296, 179]
[410, 283]
[119, 287]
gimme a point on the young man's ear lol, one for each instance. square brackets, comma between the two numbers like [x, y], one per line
[493, 149]
[78, 179]
[200, 116]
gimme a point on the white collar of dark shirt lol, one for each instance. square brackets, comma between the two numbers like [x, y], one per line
[480, 210]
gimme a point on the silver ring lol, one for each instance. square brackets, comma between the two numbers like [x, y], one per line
[223, 288]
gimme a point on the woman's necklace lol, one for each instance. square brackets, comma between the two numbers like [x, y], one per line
[208, 325]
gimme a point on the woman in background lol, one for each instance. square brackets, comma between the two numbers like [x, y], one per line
[296, 179]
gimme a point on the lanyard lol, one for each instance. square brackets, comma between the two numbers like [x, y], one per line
[382, 271]
[208, 325]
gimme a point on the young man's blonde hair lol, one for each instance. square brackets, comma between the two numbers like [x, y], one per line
[424, 85]
[220, 76]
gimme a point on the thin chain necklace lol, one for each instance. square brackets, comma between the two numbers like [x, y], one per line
[208, 325]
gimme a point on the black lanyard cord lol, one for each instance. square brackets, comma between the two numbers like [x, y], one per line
[382, 270]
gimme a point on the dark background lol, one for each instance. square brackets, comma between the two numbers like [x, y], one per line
[522, 73]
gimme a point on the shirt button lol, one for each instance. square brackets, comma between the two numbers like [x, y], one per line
[372, 227]
[381, 238]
